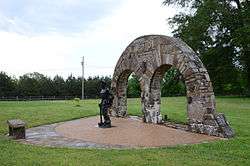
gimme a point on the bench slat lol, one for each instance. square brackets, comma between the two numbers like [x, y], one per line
[16, 123]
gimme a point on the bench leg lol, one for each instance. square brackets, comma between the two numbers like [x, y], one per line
[19, 133]
[10, 131]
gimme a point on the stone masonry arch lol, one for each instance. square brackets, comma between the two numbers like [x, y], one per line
[149, 57]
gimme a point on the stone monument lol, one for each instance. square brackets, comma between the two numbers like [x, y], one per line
[149, 57]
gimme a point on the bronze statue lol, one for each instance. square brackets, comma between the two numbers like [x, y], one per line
[106, 102]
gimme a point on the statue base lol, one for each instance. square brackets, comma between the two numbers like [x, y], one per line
[104, 125]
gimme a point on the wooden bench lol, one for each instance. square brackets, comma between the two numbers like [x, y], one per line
[16, 128]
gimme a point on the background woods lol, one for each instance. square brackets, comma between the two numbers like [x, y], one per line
[219, 31]
[36, 84]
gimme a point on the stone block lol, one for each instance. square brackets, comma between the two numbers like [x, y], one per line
[16, 128]
[224, 127]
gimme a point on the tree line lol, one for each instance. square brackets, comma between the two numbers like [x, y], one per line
[37, 84]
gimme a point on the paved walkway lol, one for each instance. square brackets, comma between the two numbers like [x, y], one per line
[125, 133]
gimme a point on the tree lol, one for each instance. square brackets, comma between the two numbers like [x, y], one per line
[73, 86]
[93, 86]
[59, 86]
[219, 31]
[35, 84]
[172, 84]
[28, 85]
[47, 87]
[7, 85]
[134, 89]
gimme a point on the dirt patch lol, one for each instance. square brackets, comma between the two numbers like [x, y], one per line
[128, 133]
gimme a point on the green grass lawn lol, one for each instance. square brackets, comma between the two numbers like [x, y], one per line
[235, 151]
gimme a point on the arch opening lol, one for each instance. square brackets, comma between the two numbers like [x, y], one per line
[128, 87]
[155, 84]
[122, 85]
[166, 82]
[134, 96]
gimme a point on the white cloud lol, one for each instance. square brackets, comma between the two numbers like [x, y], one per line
[101, 43]
[46, 54]
[109, 36]
[14, 25]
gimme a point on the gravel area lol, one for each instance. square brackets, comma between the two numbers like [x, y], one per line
[128, 132]
[124, 133]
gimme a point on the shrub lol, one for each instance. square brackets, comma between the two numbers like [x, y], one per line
[77, 102]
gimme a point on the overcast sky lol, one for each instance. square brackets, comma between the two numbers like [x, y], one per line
[51, 36]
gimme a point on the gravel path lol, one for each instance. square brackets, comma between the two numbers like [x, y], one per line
[125, 133]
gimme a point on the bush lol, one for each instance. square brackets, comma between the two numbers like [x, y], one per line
[77, 102]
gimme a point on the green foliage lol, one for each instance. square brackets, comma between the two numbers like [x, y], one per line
[7, 85]
[73, 86]
[93, 86]
[134, 89]
[77, 102]
[172, 84]
[36, 84]
[59, 86]
[234, 151]
[219, 31]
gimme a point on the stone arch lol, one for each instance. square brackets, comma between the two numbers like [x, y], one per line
[149, 57]
[155, 94]
[121, 93]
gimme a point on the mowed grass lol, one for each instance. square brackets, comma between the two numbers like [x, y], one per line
[44, 112]
[235, 151]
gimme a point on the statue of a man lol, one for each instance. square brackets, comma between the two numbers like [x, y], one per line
[106, 102]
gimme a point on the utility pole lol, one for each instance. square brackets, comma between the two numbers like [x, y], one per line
[82, 77]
